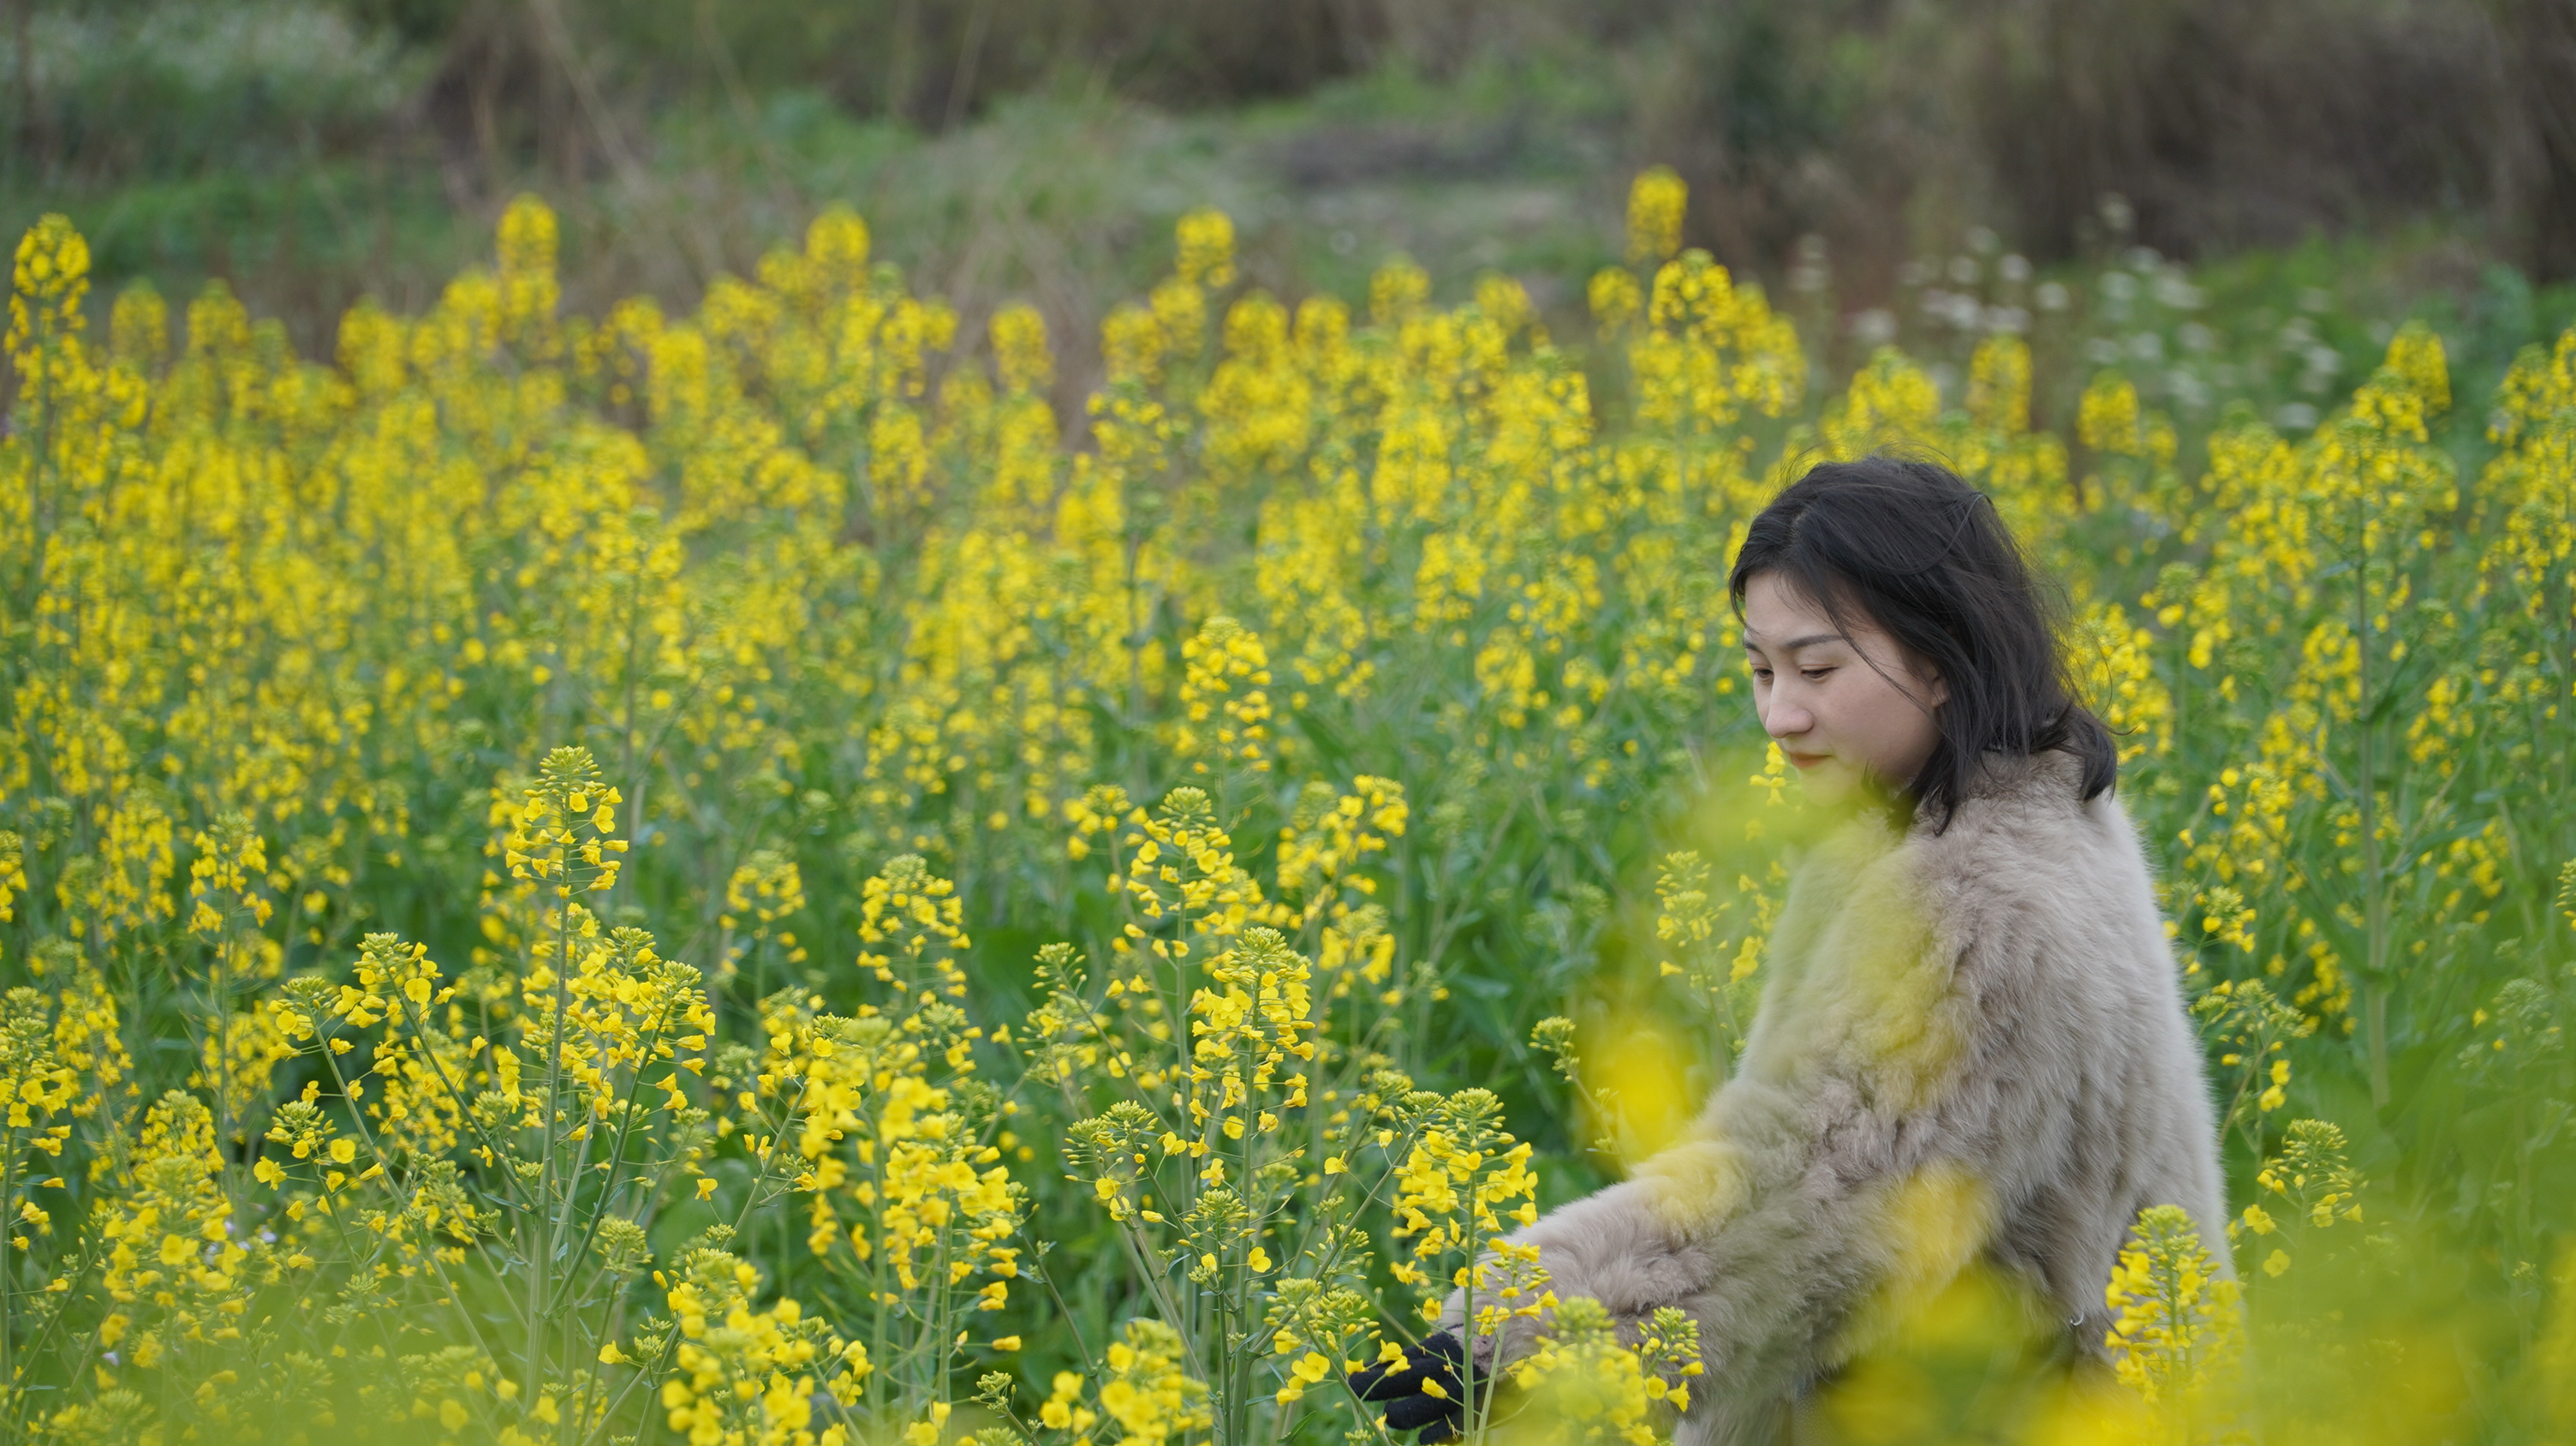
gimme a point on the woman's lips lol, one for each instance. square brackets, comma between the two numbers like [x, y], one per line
[1804, 761]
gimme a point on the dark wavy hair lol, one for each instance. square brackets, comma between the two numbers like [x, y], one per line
[1911, 547]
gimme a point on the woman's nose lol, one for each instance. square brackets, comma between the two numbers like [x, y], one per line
[1784, 719]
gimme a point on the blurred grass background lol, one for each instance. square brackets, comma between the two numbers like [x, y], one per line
[1910, 170]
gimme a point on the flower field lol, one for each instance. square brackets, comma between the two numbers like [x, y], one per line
[732, 878]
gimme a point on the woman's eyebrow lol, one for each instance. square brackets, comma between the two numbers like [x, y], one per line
[1794, 644]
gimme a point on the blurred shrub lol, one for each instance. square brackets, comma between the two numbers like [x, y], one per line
[116, 89]
[2228, 125]
[1871, 124]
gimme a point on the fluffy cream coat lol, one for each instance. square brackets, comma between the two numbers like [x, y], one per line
[1972, 1046]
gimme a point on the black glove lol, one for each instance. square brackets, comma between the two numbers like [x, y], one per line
[1428, 1393]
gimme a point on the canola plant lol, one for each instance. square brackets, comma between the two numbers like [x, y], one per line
[722, 878]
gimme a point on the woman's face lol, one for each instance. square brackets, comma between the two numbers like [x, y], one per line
[1845, 705]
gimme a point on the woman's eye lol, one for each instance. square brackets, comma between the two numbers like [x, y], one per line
[1814, 675]
[1762, 675]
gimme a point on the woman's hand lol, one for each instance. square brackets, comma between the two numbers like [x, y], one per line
[1428, 1392]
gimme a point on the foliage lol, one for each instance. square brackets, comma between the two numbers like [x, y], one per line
[1217, 791]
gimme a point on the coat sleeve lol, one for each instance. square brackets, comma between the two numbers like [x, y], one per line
[1772, 1235]
[1830, 1182]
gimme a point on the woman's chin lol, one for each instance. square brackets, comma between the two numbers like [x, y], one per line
[1836, 784]
[1830, 782]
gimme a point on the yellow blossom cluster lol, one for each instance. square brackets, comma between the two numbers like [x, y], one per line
[2178, 1328]
[747, 1377]
[1585, 1385]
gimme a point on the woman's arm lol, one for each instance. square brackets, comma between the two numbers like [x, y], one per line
[1827, 1184]
[1774, 1226]
[1769, 1226]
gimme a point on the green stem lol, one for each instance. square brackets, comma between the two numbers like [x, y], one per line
[543, 1231]
[9, 1274]
[2373, 869]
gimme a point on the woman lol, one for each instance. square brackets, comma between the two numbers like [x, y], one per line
[1972, 1049]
